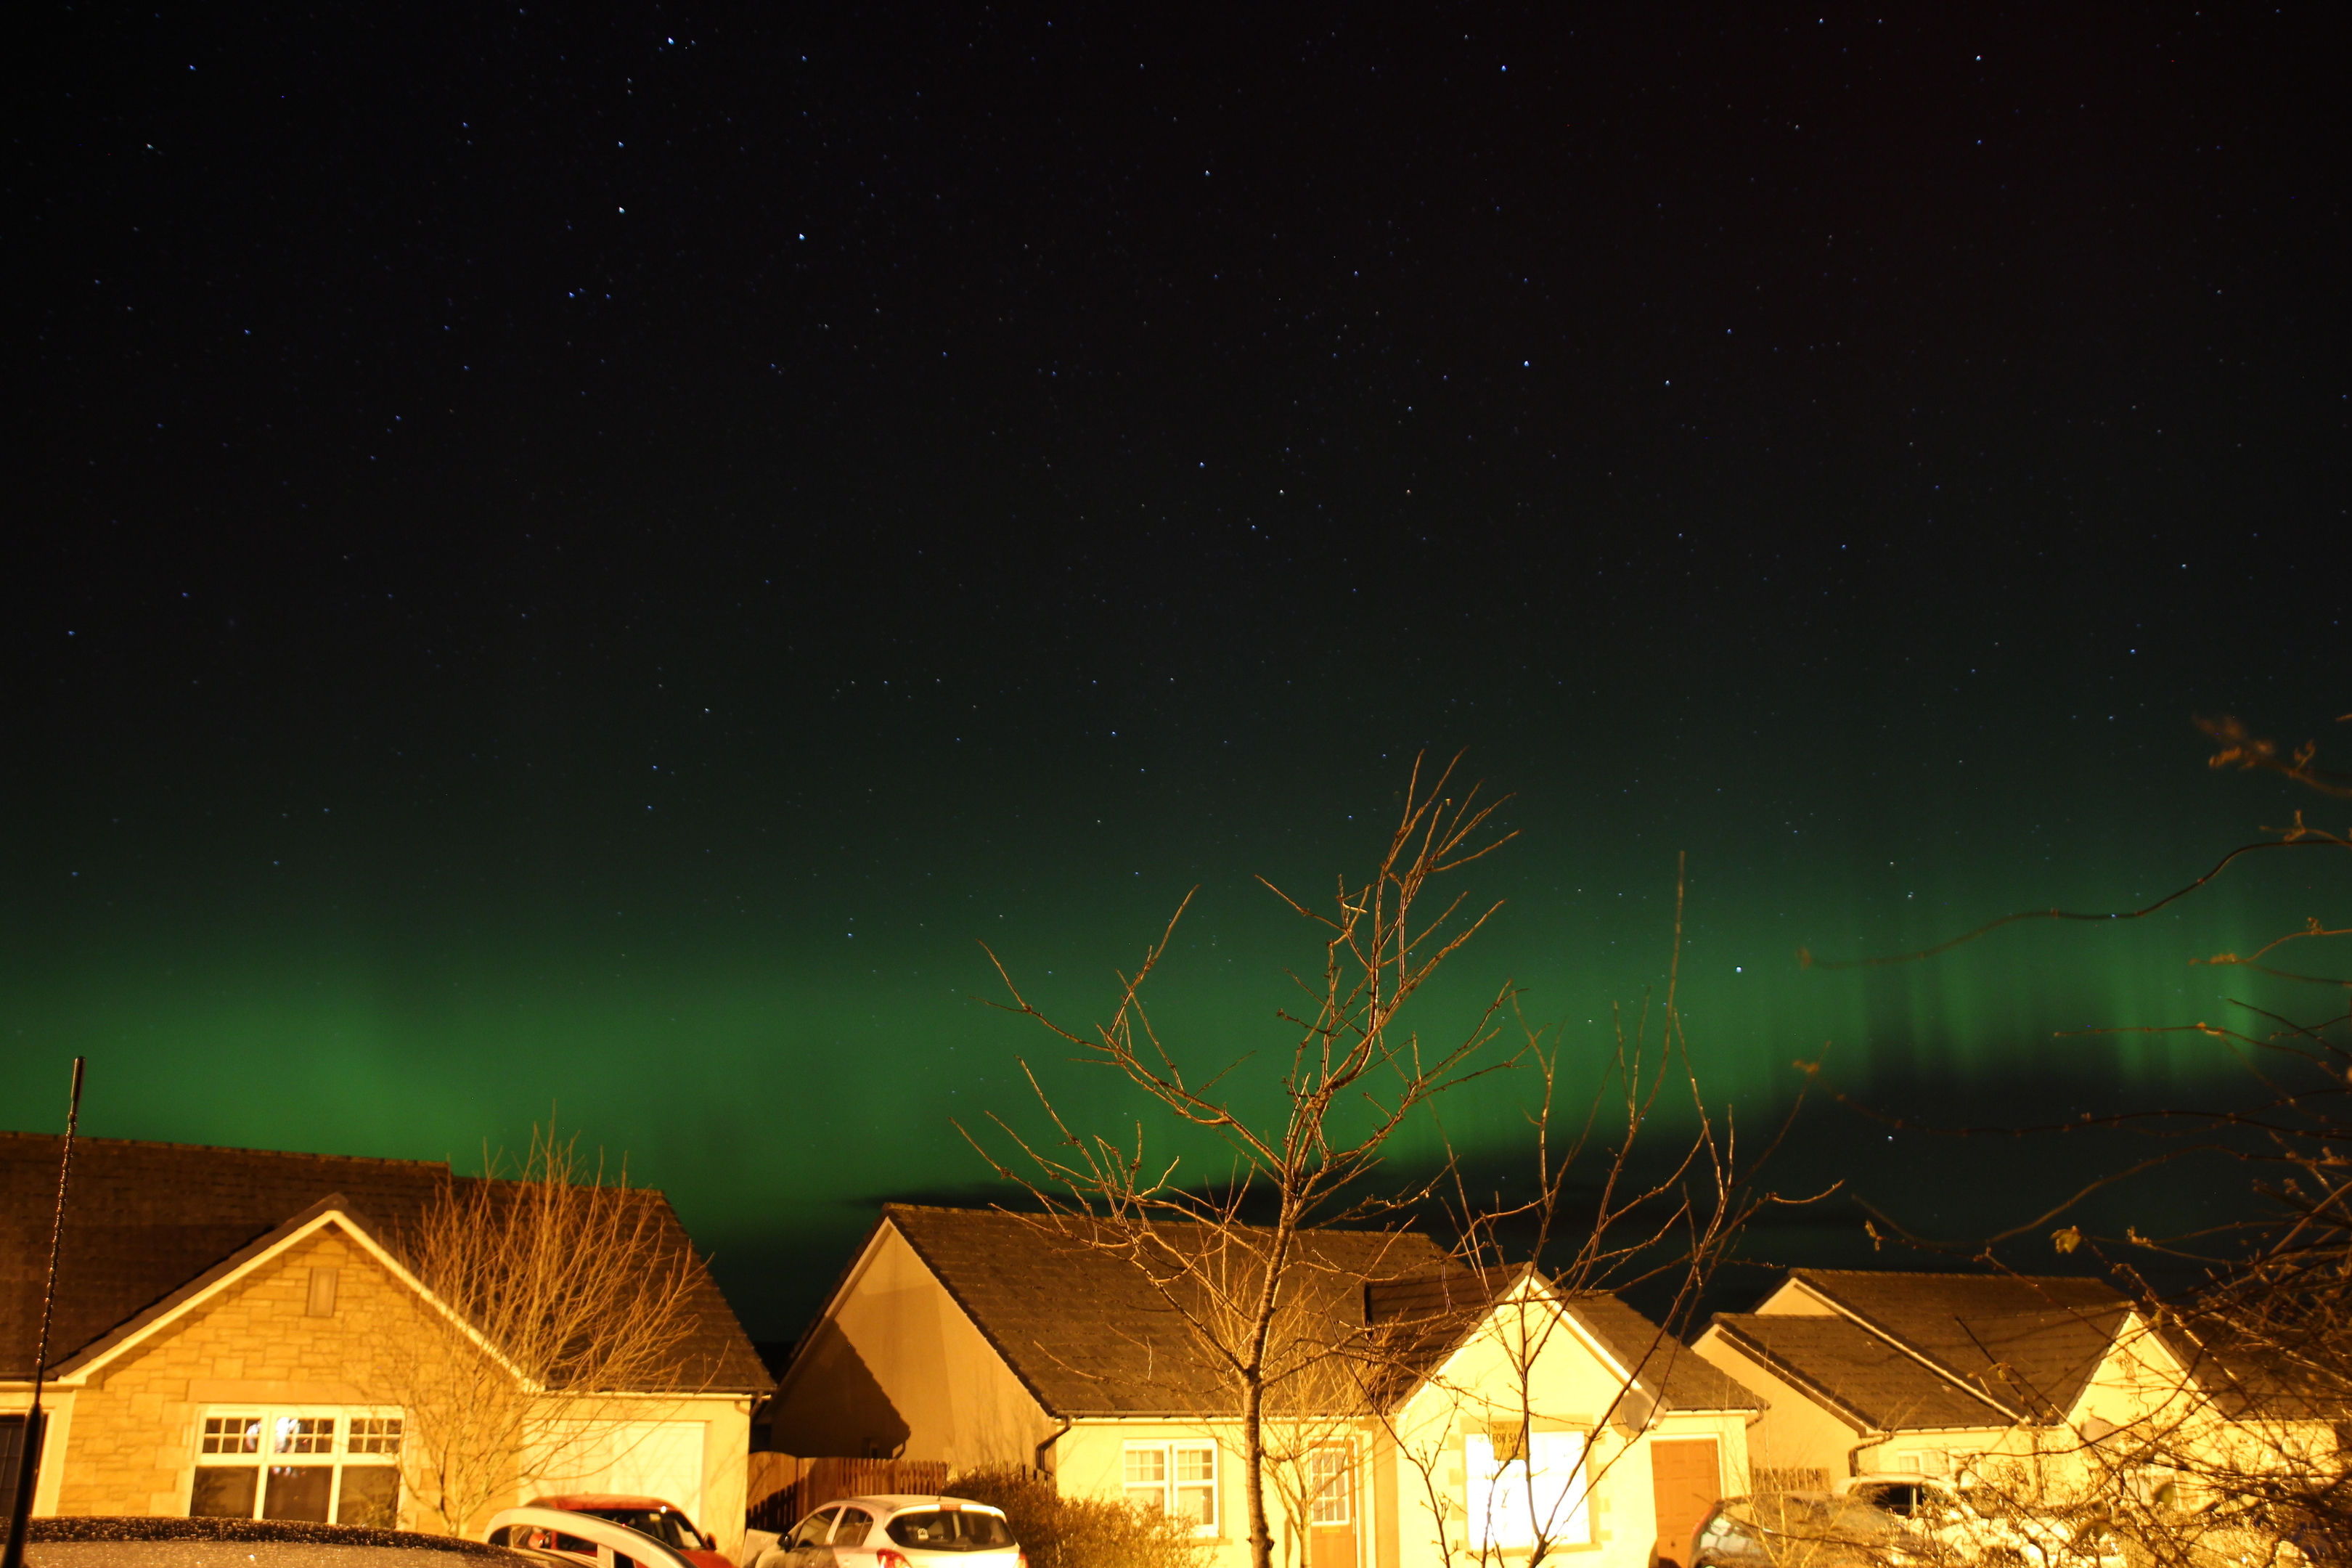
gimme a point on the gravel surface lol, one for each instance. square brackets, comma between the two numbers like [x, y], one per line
[144, 1543]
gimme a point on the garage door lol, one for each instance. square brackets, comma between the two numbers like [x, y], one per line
[639, 1458]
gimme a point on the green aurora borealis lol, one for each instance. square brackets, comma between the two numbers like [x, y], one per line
[783, 1041]
[585, 562]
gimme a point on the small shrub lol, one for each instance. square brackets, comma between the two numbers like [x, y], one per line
[1057, 1531]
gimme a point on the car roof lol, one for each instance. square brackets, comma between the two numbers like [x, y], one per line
[601, 1500]
[903, 1501]
[637, 1545]
[1899, 1478]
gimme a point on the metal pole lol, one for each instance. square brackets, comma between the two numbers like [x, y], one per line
[28, 1473]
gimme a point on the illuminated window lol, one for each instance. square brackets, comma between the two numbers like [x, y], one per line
[299, 1463]
[1527, 1486]
[1177, 1479]
[231, 1435]
[305, 1434]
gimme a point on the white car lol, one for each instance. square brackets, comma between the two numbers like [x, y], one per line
[899, 1531]
[581, 1537]
[1968, 1524]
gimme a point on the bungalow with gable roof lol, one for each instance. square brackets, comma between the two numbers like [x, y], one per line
[220, 1327]
[1461, 1411]
[2057, 1387]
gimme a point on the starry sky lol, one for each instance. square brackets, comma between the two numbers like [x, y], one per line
[587, 558]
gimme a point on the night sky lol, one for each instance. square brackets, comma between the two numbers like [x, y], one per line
[588, 556]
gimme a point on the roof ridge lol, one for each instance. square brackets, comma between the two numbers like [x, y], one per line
[85, 1139]
[1958, 1274]
[520, 1180]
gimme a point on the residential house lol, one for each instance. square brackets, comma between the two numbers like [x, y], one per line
[221, 1328]
[1454, 1416]
[2057, 1387]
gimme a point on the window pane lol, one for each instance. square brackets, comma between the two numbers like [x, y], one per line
[1498, 1502]
[1146, 1467]
[1559, 1505]
[1334, 1491]
[223, 1491]
[951, 1529]
[1198, 1504]
[375, 1435]
[370, 1495]
[1147, 1497]
[231, 1435]
[1199, 1464]
[305, 1434]
[851, 1530]
[299, 1491]
[12, 1456]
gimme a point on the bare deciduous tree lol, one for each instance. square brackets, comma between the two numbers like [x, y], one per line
[1247, 1292]
[1259, 1264]
[567, 1299]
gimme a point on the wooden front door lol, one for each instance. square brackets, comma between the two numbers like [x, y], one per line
[1333, 1521]
[1684, 1482]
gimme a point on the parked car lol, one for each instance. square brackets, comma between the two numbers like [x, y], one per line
[1794, 1530]
[581, 1540]
[1896, 1521]
[899, 1531]
[1963, 1524]
[665, 1521]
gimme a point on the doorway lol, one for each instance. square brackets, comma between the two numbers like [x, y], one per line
[1684, 1482]
[1334, 1525]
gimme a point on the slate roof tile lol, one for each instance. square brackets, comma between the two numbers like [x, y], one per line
[1875, 1385]
[1090, 1336]
[1682, 1380]
[2026, 1343]
[1087, 1332]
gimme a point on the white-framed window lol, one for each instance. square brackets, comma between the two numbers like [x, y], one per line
[310, 1462]
[1523, 1485]
[1177, 1478]
[1332, 1468]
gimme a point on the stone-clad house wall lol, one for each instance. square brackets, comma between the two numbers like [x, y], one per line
[188, 1281]
[132, 1445]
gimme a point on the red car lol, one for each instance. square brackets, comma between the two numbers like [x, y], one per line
[665, 1521]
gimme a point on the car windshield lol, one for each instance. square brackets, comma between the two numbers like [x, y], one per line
[952, 1530]
[664, 1525]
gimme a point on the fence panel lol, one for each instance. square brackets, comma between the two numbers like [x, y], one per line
[785, 1487]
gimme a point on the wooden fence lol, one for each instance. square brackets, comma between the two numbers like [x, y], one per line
[783, 1487]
